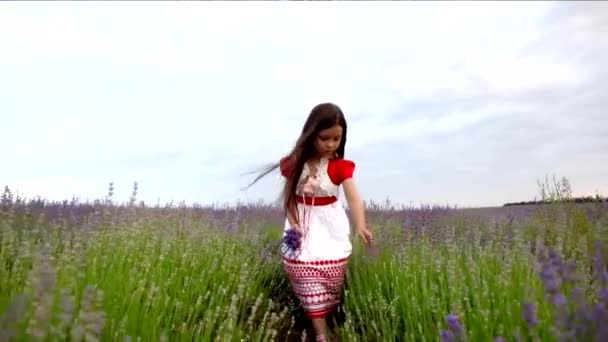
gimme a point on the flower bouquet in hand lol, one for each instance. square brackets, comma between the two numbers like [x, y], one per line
[291, 243]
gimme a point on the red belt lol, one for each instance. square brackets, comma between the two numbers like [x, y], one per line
[317, 200]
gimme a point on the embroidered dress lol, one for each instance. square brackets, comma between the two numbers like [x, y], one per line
[317, 270]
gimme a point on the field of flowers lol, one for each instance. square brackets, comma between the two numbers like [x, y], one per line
[129, 272]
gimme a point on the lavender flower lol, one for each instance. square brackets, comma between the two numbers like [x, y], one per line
[600, 317]
[455, 330]
[528, 313]
[603, 296]
[581, 320]
[91, 318]
[42, 282]
[233, 226]
[551, 273]
[600, 274]
[559, 300]
[10, 319]
[291, 242]
[292, 239]
[447, 336]
[453, 323]
[66, 313]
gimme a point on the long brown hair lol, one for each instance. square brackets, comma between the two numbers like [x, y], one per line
[322, 116]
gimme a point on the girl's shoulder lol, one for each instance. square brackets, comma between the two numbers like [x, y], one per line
[340, 169]
[286, 165]
[341, 162]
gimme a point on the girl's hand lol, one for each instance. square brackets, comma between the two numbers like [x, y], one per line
[298, 228]
[365, 235]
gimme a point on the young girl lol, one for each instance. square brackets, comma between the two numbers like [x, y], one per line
[314, 171]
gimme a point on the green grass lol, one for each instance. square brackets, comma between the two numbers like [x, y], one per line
[158, 276]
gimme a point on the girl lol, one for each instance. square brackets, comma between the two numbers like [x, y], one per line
[316, 262]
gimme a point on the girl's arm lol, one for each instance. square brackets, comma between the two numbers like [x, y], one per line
[356, 206]
[292, 222]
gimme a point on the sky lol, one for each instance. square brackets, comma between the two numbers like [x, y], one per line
[466, 104]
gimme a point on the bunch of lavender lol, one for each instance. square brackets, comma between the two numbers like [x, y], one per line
[291, 243]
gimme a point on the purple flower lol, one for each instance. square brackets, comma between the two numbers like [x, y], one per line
[582, 320]
[551, 284]
[453, 323]
[559, 300]
[455, 330]
[603, 296]
[600, 317]
[528, 313]
[599, 264]
[447, 336]
[292, 239]
[551, 273]
[561, 313]
[12, 316]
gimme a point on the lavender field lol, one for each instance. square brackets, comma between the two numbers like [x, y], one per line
[130, 272]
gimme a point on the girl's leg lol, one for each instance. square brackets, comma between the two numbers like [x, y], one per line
[320, 325]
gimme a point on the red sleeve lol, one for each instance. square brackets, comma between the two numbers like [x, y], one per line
[286, 164]
[340, 170]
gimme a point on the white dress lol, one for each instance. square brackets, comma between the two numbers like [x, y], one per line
[327, 228]
[317, 271]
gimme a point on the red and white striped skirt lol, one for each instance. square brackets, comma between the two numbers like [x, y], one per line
[317, 284]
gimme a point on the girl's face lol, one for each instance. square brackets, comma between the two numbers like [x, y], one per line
[328, 141]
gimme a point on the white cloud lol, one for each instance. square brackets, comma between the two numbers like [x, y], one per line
[529, 74]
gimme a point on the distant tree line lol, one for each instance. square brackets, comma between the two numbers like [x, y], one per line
[585, 199]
